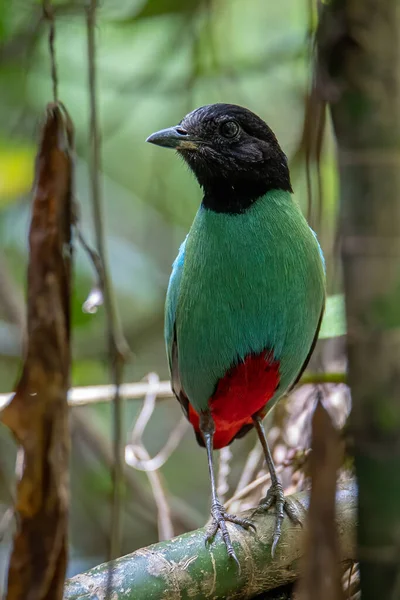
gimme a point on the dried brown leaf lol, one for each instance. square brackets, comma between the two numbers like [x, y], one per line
[38, 413]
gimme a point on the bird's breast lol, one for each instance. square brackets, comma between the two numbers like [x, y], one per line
[250, 283]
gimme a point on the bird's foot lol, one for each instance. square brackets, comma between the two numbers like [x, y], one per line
[275, 496]
[219, 520]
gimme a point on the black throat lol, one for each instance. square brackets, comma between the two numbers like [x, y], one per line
[234, 195]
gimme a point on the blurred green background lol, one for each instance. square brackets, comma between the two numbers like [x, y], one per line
[157, 60]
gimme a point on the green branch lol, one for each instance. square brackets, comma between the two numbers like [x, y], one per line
[315, 378]
[184, 568]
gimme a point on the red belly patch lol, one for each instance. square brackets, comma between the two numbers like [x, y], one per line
[244, 391]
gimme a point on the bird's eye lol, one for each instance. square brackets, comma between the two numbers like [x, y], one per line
[229, 129]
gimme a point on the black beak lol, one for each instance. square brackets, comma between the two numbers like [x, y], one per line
[174, 137]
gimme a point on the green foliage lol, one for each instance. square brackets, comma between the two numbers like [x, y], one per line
[334, 321]
[5, 10]
[155, 9]
[16, 171]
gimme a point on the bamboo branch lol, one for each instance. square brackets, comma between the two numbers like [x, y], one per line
[94, 394]
[185, 567]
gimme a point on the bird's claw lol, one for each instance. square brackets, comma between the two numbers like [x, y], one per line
[283, 505]
[219, 520]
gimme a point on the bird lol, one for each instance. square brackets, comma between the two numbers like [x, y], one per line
[246, 294]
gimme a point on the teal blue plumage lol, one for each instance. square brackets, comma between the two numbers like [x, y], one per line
[241, 284]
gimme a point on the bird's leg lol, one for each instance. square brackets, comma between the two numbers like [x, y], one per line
[275, 493]
[218, 513]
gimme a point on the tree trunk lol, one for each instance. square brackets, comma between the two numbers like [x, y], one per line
[359, 52]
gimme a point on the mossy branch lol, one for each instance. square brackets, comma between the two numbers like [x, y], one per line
[185, 568]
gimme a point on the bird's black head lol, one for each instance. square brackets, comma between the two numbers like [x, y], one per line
[233, 153]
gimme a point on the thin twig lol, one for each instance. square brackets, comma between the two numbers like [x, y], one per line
[90, 441]
[349, 581]
[5, 522]
[140, 454]
[11, 514]
[307, 114]
[241, 493]
[48, 14]
[224, 469]
[164, 522]
[147, 410]
[95, 394]
[249, 468]
[88, 434]
[95, 297]
[116, 343]
[251, 487]
[151, 464]
[155, 463]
